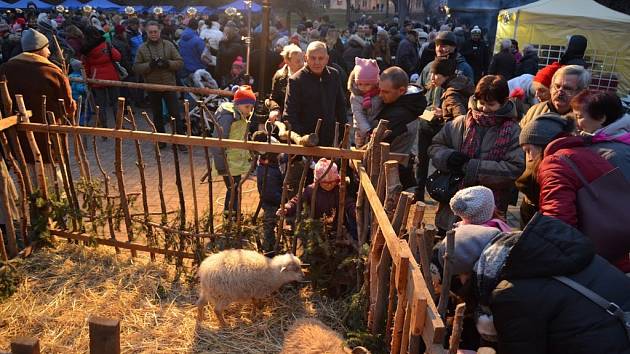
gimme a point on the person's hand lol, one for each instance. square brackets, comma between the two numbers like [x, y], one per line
[273, 116]
[163, 63]
[456, 161]
[437, 112]
[153, 64]
[309, 140]
[281, 212]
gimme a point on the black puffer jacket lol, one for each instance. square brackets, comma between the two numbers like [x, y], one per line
[310, 97]
[574, 54]
[534, 313]
[528, 64]
[400, 115]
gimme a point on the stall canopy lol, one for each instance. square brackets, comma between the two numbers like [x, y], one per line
[23, 4]
[104, 5]
[73, 4]
[137, 8]
[547, 24]
[240, 6]
[166, 8]
[200, 9]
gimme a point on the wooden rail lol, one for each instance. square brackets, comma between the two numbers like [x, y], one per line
[154, 87]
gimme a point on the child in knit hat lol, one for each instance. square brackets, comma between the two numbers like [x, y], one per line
[233, 121]
[328, 181]
[364, 98]
[475, 205]
[235, 77]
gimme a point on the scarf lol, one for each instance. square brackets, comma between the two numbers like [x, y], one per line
[367, 98]
[476, 119]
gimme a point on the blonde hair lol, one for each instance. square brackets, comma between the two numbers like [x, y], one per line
[289, 50]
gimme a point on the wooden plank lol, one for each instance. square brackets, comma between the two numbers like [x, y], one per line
[115, 243]
[447, 273]
[458, 324]
[104, 335]
[25, 345]
[8, 122]
[402, 275]
[154, 87]
[293, 149]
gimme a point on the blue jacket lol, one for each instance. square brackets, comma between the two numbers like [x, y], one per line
[191, 47]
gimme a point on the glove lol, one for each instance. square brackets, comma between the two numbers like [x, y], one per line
[163, 64]
[456, 161]
[153, 64]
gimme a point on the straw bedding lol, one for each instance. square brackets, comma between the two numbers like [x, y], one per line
[62, 287]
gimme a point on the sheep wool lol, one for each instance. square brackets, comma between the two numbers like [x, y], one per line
[242, 275]
[310, 336]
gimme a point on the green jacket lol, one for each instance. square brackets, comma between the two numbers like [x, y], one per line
[234, 127]
[160, 49]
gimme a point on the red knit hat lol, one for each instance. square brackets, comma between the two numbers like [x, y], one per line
[238, 61]
[244, 95]
[545, 75]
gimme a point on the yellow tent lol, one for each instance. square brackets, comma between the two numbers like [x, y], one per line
[547, 24]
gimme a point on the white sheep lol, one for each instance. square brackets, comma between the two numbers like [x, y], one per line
[310, 336]
[242, 275]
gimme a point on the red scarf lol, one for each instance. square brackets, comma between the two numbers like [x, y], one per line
[475, 119]
[367, 98]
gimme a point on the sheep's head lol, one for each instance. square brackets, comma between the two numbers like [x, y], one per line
[290, 267]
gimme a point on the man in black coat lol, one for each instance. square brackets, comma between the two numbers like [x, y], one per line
[403, 104]
[316, 92]
[478, 55]
[407, 54]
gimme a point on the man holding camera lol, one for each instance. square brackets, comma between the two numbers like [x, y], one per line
[158, 61]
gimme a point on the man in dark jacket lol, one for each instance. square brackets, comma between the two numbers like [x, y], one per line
[503, 63]
[535, 313]
[478, 55]
[315, 92]
[529, 62]
[407, 54]
[403, 104]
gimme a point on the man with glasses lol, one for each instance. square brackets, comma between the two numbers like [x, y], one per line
[567, 82]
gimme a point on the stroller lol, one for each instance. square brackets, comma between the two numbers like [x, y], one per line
[201, 123]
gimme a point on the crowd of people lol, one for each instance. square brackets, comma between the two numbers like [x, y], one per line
[493, 127]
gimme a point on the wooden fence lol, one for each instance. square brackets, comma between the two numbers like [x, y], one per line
[401, 297]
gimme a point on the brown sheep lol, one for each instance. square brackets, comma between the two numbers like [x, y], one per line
[311, 336]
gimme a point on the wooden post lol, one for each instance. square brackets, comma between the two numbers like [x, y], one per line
[104, 335]
[110, 222]
[380, 186]
[17, 149]
[192, 166]
[393, 187]
[24, 199]
[458, 324]
[425, 250]
[7, 102]
[402, 273]
[209, 227]
[402, 212]
[6, 205]
[446, 276]
[342, 187]
[25, 345]
[3, 252]
[180, 194]
[122, 191]
[158, 159]
[57, 149]
[39, 164]
[143, 185]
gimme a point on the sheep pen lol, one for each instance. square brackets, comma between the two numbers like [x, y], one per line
[60, 288]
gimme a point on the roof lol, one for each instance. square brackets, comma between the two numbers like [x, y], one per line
[572, 8]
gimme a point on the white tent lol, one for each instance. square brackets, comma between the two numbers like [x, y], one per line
[549, 23]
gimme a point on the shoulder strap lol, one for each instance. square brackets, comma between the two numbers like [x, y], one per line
[579, 174]
[610, 307]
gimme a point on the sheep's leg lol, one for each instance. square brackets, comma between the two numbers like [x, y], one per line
[219, 307]
[201, 303]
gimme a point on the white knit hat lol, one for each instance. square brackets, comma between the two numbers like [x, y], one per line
[475, 205]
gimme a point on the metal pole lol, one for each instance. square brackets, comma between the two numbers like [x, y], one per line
[248, 41]
[262, 77]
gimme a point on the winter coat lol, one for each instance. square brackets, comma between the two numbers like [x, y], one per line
[504, 64]
[190, 48]
[335, 55]
[403, 115]
[227, 53]
[534, 313]
[536, 110]
[310, 97]
[528, 64]
[428, 56]
[135, 41]
[279, 89]
[212, 35]
[32, 76]
[496, 175]
[11, 46]
[99, 62]
[355, 48]
[433, 95]
[153, 50]
[407, 57]
[234, 127]
[574, 54]
[125, 52]
[362, 120]
[457, 91]
[478, 57]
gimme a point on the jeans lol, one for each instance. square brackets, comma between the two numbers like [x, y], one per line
[172, 105]
[107, 100]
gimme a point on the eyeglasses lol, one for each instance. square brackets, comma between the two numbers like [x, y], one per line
[566, 90]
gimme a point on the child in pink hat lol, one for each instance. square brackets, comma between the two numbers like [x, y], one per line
[364, 98]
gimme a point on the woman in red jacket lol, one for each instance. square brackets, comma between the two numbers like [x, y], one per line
[99, 57]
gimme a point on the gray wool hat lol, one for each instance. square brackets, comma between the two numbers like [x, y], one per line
[33, 40]
[475, 205]
[446, 37]
[545, 128]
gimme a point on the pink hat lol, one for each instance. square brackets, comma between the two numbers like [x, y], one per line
[238, 62]
[367, 71]
[320, 168]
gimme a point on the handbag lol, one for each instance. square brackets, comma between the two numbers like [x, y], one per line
[610, 307]
[442, 186]
[603, 212]
[122, 72]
